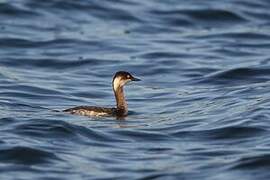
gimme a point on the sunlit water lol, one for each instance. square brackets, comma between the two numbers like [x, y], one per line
[202, 110]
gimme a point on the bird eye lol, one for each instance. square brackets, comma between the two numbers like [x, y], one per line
[128, 76]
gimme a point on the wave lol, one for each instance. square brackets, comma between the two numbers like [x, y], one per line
[26, 155]
[239, 76]
[224, 133]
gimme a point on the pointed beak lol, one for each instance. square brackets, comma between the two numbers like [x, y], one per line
[135, 79]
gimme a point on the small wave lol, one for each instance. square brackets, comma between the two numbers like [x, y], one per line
[35, 90]
[253, 162]
[222, 133]
[240, 75]
[61, 130]
[26, 155]
[54, 43]
[46, 129]
[54, 63]
[214, 15]
[105, 11]
[248, 36]
[162, 55]
[11, 10]
[6, 120]
[202, 16]
[142, 135]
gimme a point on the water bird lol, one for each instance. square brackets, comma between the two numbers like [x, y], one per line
[120, 79]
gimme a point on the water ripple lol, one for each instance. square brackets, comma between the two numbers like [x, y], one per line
[240, 76]
[253, 162]
[26, 155]
[207, 16]
[11, 10]
[222, 133]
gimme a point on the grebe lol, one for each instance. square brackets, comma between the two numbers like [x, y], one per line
[119, 80]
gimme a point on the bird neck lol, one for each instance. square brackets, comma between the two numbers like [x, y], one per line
[121, 103]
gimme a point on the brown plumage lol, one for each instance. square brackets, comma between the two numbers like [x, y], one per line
[119, 80]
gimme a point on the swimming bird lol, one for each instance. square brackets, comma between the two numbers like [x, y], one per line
[120, 79]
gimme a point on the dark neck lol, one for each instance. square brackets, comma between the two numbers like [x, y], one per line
[121, 103]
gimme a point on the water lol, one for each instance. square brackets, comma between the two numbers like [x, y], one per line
[201, 111]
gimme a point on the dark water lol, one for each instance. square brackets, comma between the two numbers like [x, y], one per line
[202, 110]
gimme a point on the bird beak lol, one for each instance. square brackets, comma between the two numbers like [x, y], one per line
[135, 79]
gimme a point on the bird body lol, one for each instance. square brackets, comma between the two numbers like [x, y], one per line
[120, 79]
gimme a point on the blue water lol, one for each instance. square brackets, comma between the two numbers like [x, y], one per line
[202, 110]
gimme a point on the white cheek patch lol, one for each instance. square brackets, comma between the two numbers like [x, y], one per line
[116, 83]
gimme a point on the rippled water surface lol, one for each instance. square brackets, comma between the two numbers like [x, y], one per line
[202, 110]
